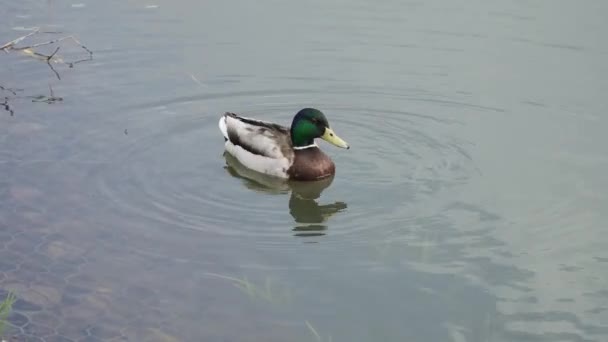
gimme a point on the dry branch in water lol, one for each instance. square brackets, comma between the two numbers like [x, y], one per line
[47, 99]
[29, 50]
[10, 90]
[7, 107]
[32, 50]
[4, 104]
[16, 41]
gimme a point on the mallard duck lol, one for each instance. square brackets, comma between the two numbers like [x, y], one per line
[275, 150]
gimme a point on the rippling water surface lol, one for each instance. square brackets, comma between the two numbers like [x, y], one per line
[471, 206]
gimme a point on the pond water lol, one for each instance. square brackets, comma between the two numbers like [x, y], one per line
[472, 205]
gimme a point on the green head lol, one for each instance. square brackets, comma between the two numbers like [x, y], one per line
[310, 123]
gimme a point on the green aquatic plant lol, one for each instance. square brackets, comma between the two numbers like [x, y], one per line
[267, 292]
[6, 306]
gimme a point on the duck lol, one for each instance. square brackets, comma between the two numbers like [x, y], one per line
[288, 153]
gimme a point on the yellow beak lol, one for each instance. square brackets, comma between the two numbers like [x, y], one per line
[333, 139]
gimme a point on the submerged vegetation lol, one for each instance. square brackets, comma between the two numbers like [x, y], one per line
[5, 309]
[267, 292]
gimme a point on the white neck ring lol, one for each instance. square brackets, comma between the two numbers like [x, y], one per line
[304, 147]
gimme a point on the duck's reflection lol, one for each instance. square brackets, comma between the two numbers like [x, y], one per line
[303, 207]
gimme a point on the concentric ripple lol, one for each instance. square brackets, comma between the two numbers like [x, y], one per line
[172, 170]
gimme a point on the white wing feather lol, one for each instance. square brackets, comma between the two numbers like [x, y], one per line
[223, 129]
[259, 138]
[272, 162]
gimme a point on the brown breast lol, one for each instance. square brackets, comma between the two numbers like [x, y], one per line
[311, 164]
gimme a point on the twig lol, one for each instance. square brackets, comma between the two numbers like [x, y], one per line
[82, 46]
[29, 50]
[48, 62]
[54, 41]
[15, 41]
[71, 64]
[7, 107]
[11, 90]
[42, 44]
[53, 54]
[48, 99]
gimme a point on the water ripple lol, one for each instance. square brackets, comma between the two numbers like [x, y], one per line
[172, 170]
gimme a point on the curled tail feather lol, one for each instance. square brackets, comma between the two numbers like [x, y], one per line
[223, 128]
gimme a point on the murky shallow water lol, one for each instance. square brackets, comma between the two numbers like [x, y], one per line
[471, 206]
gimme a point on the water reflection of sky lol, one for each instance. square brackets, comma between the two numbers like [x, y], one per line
[469, 207]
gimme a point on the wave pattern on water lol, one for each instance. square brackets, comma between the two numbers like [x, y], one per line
[396, 154]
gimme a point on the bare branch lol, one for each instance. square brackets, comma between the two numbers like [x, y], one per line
[16, 41]
[11, 90]
[82, 46]
[48, 59]
[30, 50]
[53, 69]
[7, 107]
[42, 44]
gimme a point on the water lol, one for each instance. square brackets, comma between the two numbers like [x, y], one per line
[470, 207]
